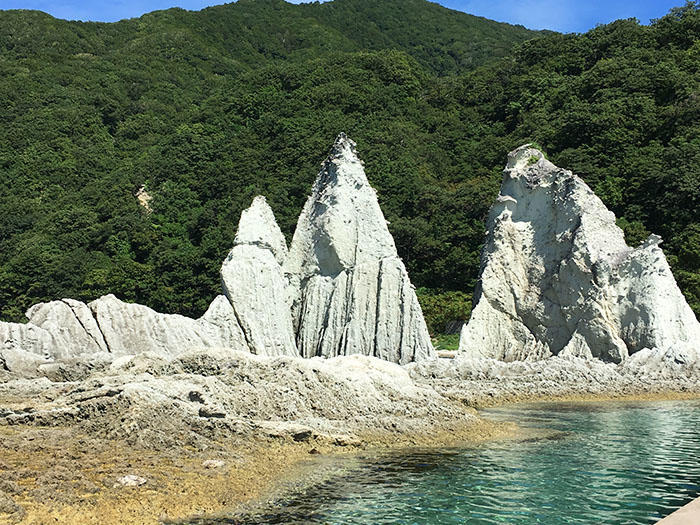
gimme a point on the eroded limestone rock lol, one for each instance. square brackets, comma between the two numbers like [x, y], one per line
[557, 277]
[341, 290]
[254, 282]
[58, 330]
[69, 331]
[133, 328]
[71, 325]
[349, 291]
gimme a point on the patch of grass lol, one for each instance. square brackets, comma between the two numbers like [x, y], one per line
[446, 341]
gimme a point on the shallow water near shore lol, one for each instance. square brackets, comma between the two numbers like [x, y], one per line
[609, 463]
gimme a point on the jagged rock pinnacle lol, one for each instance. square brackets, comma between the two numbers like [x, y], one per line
[348, 289]
[254, 283]
[558, 278]
[258, 227]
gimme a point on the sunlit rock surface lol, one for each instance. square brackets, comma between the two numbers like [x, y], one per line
[134, 328]
[70, 331]
[349, 291]
[341, 290]
[254, 282]
[557, 277]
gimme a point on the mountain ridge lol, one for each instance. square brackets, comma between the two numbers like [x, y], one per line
[468, 40]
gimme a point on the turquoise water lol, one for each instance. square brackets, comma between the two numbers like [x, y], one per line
[612, 463]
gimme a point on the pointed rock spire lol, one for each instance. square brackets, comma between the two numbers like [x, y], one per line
[349, 291]
[558, 278]
[258, 227]
[254, 283]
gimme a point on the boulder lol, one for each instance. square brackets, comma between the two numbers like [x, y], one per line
[254, 282]
[348, 289]
[557, 277]
[71, 332]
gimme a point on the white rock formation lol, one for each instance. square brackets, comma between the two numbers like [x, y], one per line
[133, 328]
[23, 347]
[68, 330]
[341, 290]
[57, 330]
[72, 326]
[254, 282]
[349, 291]
[558, 278]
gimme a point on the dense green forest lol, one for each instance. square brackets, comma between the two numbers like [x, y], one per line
[209, 109]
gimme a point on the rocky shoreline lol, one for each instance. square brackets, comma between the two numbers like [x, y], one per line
[111, 412]
[208, 431]
[201, 434]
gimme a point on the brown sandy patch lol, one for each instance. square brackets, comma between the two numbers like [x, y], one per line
[60, 475]
[64, 477]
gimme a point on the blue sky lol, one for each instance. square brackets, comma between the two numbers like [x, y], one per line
[558, 15]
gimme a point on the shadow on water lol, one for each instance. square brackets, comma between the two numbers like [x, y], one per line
[608, 463]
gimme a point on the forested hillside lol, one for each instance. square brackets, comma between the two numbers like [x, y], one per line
[209, 109]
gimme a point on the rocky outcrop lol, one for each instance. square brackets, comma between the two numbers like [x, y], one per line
[349, 291]
[341, 290]
[557, 277]
[254, 282]
[58, 330]
[68, 330]
[133, 328]
[71, 325]
[24, 347]
[200, 395]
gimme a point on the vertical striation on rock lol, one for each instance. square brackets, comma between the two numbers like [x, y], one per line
[254, 282]
[57, 330]
[67, 330]
[71, 324]
[133, 328]
[348, 289]
[23, 347]
[558, 278]
[341, 289]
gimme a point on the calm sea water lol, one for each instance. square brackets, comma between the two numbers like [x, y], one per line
[614, 463]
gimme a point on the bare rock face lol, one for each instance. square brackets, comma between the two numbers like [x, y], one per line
[348, 290]
[133, 328]
[71, 325]
[557, 277]
[254, 282]
[58, 330]
[24, 347]
[67, 331]
[340, 290]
